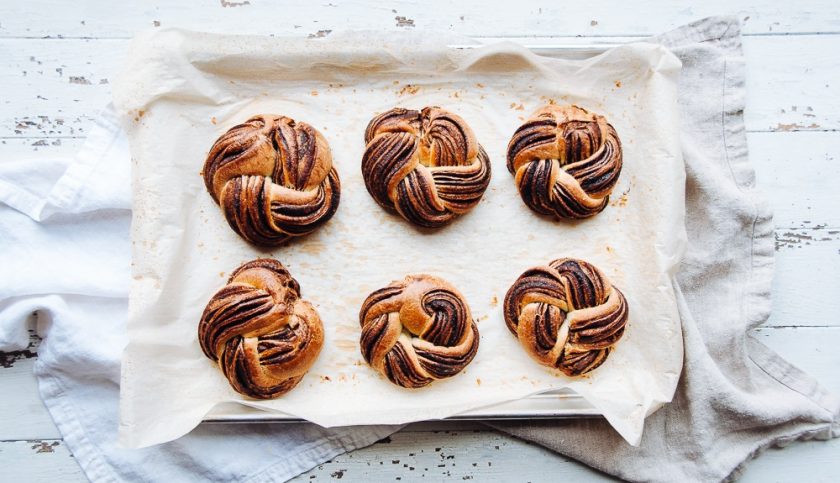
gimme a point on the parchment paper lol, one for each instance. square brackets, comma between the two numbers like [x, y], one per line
[180, 90]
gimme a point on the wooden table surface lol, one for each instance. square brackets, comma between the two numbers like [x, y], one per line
[56, 59]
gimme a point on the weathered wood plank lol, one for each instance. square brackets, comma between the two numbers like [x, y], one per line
[814, 461]
[465, 456]
[28, 148]
[452, 455]
[792, 83]
[798, 173]
[806, 283]
[102, 18]
[59, 84]
[50, 460]
[38, 460]
[24, 415]
[487, 456]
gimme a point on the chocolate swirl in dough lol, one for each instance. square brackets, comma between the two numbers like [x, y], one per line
[425, 165]
[273, 178]
[259, 331]
[567, 315]
[566, 161]
[417, 330]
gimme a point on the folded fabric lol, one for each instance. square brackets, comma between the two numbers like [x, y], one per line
[736, 396]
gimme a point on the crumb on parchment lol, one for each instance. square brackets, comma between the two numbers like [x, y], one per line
[409, 89]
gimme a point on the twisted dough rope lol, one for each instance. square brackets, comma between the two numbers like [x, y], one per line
[426, 165]
[566, 315]
[566, 161]
[259, 331]
[417, 330]
[273, 178]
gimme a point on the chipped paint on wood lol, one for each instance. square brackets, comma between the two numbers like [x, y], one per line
[81, 80]
[23, 148]
[804, 237]
[404, 21]
[227, 3]
[8, 359]
[806, 284]
[44, 446]
[319, 34]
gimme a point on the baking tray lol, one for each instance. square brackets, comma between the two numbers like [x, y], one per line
[558, 404]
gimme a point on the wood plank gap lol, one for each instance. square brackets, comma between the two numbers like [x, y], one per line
[30, 440]
[507, 36]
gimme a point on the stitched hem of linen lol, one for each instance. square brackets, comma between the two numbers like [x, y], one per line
[84, 451]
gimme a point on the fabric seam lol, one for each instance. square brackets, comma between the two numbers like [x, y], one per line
[85, 451]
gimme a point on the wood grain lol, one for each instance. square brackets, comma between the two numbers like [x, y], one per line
[106, 19]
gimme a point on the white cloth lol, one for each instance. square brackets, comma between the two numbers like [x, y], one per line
[65, 255]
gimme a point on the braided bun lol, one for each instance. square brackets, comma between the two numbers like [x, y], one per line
[260, 332]
[417, 330]
[426, 165]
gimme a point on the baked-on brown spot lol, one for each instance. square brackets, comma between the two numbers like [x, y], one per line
[566, 161]
[417, 330]
[566, 314]
[426, 165]
[273, 178]
[263, 336]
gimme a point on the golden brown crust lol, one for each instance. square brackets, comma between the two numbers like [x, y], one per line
[566, 315]
[417, 330]
[566, 161]
[426, 165]
[263, 336]
[273, 178]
